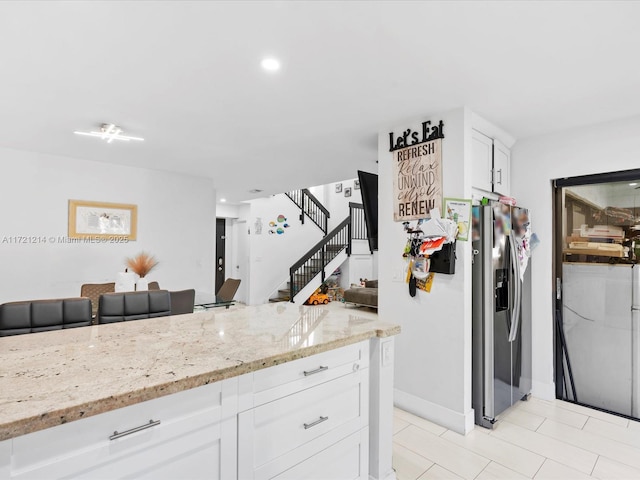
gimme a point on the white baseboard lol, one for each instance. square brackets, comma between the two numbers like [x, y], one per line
[458, 422]
[391, 476]
[544, 391]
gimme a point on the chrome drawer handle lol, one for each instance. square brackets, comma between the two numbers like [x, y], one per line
[317, 370]
[313, 424]
[152, 423]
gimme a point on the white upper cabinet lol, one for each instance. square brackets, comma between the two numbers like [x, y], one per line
[482, 154]
[491, 164]
[501, 168]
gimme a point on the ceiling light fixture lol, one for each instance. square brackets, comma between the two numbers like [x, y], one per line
[110, 132]
[270, 64]
[223, 200]
[633, 184]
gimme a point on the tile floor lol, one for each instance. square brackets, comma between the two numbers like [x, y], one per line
[535, 439]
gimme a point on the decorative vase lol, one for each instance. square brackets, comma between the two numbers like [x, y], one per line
[142, 284]
[125, 282]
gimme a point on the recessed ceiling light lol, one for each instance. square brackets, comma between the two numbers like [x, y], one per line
[110, 132]
[223, 200]
[271, 64]
[633, 184]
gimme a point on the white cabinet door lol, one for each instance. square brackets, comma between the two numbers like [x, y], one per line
[5, 458]
[501, 168]
[482, 157]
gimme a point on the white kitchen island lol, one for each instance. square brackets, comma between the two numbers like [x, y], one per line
[273, 391]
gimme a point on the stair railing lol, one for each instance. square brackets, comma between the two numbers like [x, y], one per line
[319, 256]
[358, 223]
[311, 207]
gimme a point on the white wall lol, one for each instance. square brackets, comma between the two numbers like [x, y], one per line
[535, 162]
[433, 354]
[337, 203]
[224, 210]
[271, 255]
[175, 223]
[359, 264]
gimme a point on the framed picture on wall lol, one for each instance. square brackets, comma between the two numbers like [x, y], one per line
[338, 187]
[102, 220]
[347, 192]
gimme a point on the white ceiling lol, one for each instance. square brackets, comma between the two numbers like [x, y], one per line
[186, 76]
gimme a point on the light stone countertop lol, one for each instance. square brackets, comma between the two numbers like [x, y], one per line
[51, 378]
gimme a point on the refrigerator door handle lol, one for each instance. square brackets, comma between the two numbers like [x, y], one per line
[515, 312]
[489, 306]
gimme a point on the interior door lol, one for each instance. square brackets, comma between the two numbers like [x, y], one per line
[220, 252]
[241, 260]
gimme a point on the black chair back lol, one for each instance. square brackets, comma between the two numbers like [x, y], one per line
[124, 306]
[42, 315]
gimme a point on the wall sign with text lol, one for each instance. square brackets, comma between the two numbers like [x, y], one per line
[417, 172]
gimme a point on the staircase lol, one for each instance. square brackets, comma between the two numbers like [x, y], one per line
[310, 206]
[308, 273]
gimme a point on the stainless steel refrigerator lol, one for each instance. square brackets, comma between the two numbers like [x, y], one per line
[501, 309]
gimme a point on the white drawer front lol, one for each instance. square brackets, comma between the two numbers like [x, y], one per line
[78, 441]
[281, 380]
[346, 459]
[280, 426]
[188, 448]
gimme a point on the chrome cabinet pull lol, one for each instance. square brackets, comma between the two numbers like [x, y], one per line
[116, 434]
[500, 172]
[313, 424]
[317, 370]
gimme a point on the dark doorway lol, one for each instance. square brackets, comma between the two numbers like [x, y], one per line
[220, 260]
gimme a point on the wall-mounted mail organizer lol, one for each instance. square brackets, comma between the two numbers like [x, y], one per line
[444, 261]
[439, 261]
[430, 248]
